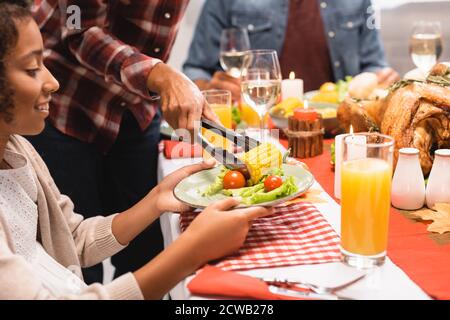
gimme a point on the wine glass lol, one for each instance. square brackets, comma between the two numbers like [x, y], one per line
[261, 82]
[234, 42]
[426, 44]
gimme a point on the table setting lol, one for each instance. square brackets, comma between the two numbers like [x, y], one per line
[361, 208]
[388, 282]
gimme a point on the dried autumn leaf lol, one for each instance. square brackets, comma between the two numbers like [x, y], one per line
[440, 217]
[427, 214]
[440, 226]
[443, 208]
[307, 199]
[312, 196]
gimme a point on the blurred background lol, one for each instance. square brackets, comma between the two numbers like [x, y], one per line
[397, 19]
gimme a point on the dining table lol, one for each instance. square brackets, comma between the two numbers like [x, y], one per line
[387, 282]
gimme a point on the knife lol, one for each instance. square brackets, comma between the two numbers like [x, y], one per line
[306, 294]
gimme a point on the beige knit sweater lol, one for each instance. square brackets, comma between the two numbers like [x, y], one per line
[71, 240]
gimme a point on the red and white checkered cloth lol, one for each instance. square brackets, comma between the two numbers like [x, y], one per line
[294, 235]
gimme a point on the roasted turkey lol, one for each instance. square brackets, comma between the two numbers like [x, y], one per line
[416, 114]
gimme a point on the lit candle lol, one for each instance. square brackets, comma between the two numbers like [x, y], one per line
[292, 88]
[356, 146]
[338, 155]
[356, 150]
[305, 114]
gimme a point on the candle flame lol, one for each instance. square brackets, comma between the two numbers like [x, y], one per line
[351, 129]
[292, 75]
[306, 104]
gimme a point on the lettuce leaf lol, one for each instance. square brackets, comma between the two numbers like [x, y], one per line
[243, 192]
[217, 185]
[286, 189]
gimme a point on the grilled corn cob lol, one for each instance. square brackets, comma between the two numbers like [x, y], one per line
[261, 159]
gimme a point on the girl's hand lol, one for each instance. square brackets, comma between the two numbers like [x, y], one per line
[162, 194]
[215, 233]
[219, 231]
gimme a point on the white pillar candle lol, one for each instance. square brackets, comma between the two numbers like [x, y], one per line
[338, 155]
[292, 88]
[357, 148]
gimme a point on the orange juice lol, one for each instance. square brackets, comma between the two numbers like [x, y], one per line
[366, 188]
[223, 111]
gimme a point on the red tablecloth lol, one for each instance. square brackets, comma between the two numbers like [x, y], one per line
[411, 246]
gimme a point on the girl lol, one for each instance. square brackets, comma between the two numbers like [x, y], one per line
[43, 243]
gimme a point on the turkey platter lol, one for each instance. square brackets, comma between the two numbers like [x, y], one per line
[415, 113]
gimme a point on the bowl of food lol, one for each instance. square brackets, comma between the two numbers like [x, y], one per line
[325, 101]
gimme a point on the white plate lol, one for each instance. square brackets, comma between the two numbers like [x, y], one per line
[189, 189]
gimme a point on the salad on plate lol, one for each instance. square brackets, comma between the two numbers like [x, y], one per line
[266, 182]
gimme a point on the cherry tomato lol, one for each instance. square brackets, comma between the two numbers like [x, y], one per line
[272, 182]
[234, 180]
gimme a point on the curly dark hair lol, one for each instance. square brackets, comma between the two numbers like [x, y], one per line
[10, 12]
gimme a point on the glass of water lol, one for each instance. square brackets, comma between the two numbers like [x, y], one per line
[234, 42]
[426, 44]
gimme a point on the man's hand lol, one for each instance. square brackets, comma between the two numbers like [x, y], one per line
[387, 76]
[223, 81]
[164, 200]
[181, 101]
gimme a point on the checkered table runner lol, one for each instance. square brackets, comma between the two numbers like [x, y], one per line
[294, 235]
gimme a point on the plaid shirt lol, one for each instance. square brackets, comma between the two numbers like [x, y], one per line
[103, 67]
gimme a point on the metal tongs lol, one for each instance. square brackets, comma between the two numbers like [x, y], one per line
[223, 156]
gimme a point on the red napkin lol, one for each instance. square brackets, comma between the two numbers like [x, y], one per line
[212, 281]
[176, 150]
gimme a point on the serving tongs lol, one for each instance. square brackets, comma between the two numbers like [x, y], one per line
[223, 156]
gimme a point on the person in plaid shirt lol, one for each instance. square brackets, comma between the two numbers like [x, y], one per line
[101, 139]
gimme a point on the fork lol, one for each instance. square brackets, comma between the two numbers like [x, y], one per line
[307, 294]
[284, 283]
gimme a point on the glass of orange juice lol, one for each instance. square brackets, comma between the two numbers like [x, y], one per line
[220, 102]
[366, 188]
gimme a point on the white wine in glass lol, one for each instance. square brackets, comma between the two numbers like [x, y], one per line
[261, 93]
[234, 43]
[261, 82]
[426, 45]
[232, 62]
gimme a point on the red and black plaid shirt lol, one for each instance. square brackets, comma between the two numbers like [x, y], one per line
[103, 67]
